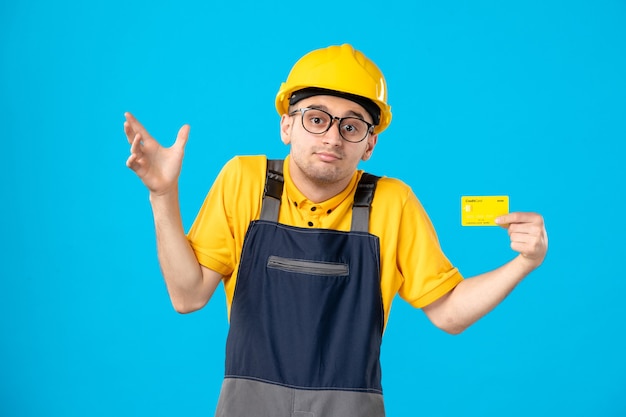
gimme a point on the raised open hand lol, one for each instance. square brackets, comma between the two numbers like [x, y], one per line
[157, 166]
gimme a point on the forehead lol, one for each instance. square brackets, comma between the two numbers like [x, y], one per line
[337, 106]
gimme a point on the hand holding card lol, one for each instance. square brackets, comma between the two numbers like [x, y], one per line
[528, 235]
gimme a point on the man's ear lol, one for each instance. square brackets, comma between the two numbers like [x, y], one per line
[371, 143]
[285, 128]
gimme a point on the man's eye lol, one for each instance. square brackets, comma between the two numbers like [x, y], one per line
[352, 128]
[316, 120]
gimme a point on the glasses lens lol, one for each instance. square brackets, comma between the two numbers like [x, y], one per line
[316, 121]
[353, 129]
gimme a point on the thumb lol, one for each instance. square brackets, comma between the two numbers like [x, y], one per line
[182, 137]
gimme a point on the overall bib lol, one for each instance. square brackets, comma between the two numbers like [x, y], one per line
[306, 320]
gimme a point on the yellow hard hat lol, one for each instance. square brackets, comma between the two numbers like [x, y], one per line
[341, 69]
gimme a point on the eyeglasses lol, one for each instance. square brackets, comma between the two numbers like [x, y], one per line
[351, 129]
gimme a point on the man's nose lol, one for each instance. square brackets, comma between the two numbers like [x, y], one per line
[332, 135]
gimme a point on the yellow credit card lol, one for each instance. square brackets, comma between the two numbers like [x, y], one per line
[482, 210]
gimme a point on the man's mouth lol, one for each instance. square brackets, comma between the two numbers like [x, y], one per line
[328, 156]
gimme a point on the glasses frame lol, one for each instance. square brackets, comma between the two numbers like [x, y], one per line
[303, 110]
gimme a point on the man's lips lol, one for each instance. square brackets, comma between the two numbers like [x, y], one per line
[327, 156]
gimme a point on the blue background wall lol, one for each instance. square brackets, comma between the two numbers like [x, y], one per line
[525, 99]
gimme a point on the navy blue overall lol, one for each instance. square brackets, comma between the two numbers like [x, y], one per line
[306, 320]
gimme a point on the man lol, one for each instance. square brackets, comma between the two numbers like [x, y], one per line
[311, 251]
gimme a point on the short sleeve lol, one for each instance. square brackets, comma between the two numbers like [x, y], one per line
[233, 201]
[427, 273]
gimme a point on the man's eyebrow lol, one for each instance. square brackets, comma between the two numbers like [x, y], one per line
[350, 113]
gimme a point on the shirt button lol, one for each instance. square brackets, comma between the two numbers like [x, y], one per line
[311, 224]
[313, 208]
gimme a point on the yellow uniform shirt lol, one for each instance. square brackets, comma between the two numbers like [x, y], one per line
[412, 263]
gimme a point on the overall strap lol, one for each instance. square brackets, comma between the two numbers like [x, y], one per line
[362, 202]
[274, 181]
